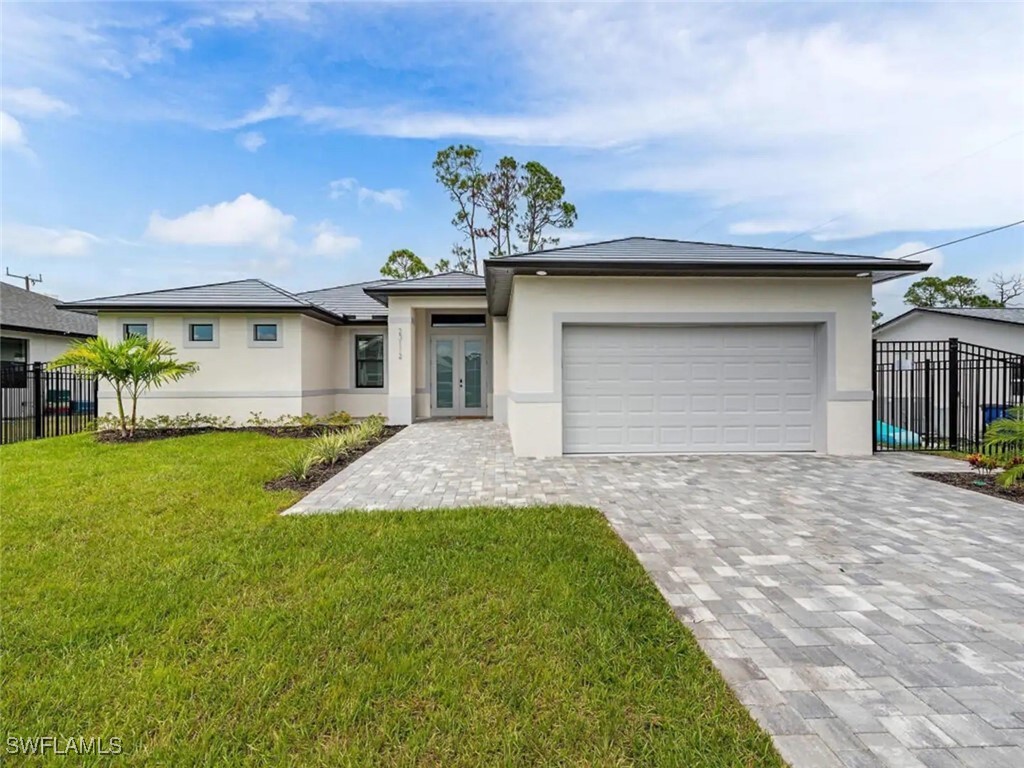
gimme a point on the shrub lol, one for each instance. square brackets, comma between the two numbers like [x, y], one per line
[1006, 438]
[300, 464]
[983, 464]
[329, 447]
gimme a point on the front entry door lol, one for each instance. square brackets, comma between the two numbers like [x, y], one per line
[457, 376]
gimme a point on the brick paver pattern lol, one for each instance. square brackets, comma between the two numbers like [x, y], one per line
[867, 617]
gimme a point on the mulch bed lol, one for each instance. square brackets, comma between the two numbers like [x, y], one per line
[143, 435]
[324, 472]
[970, 480]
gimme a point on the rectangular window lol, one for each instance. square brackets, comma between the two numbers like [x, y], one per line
[200, 332]
[458, 321]
[264, 331]
[370, 361]
[136, 329]
[13, 350]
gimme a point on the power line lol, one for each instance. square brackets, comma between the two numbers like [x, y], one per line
[962, 239]
[908, 182]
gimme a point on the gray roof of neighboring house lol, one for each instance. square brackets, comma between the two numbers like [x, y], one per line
[1011, 315]
[450, 283]
[30, 311]
[655, 257]
[349, 300]
[235, 295]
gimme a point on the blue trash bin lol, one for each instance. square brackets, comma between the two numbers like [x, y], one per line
[990, 413]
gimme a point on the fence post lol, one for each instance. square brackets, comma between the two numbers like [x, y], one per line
[38, 397]
[874, 395]
[954, 394]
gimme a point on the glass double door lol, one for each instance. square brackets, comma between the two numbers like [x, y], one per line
[457, 376]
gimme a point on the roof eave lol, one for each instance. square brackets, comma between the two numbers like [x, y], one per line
[498, 298]
[45, 331]
[311, 310]
[382, 296]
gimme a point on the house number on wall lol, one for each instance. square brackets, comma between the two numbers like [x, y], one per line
[399, 343]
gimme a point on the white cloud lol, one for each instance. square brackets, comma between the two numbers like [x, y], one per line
[881, 118]
[11, 132]
[250, 141]
[331, 242]
[27, 240]
[32, 102]
[392, 197]
[246, 220]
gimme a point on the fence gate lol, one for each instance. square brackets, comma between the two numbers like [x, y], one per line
[940, 395]
[36, 402]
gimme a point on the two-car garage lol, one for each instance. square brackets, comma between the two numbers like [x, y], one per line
[695, 388]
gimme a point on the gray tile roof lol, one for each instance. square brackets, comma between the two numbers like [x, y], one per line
[462, 283]
[349, 300]
[250, 294]
[29, 310]
[654, 250]
[1013, 315]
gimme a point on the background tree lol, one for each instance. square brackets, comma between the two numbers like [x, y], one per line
[1007, 287]
[501, 196]
[442, 265]
[458, 170]
[875, 314]
[956, 291]
[131, 366]
[403, 264]
[545, 207]
[463, 258]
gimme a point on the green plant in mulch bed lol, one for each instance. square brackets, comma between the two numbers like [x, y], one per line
[330, 447]
[1005, 439]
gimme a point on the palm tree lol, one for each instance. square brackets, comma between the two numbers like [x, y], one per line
[1006, 437]
[131, 366]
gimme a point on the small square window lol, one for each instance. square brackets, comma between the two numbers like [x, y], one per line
[264, 332]
[136, 329]
[200, 332]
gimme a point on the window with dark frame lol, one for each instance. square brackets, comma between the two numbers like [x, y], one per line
[200, 332]
[136, 329]
[264, 331]
[458, 320]
[369, 361]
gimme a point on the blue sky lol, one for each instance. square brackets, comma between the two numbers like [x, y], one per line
[148, 145]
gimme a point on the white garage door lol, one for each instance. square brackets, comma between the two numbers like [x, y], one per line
[628, 389]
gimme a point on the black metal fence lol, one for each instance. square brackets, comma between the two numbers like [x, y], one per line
[941, 395]
[36, 402]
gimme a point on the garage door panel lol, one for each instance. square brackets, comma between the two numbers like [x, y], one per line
[678, 389]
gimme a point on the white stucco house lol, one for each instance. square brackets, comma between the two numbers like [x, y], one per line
[637, 345]
[996, 328]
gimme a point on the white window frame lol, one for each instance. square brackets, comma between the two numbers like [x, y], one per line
[250, 332]
[186, 329]
[146, 321]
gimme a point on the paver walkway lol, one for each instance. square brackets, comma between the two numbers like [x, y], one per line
[865, 616]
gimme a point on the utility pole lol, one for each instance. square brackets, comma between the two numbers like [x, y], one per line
[29, 280]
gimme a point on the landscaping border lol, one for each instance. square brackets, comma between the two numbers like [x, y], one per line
[970, 481]
[321, 473]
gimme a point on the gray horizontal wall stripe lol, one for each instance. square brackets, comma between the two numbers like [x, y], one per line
[851, 395]
[534, 397]
[241, 395]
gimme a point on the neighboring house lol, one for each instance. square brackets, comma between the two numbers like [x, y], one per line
[33, 329]
[629, 346]
[997, 328]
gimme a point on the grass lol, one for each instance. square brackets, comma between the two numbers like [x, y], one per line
[152, 592]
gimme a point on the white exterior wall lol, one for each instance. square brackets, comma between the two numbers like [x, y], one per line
[408, 353]
[42, 347]
[234, 379]
[312, 371]
[932, 326]
[841, 308]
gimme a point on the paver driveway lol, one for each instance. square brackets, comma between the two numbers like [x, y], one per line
[864, 615]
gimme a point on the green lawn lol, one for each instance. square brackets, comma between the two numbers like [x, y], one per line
[151, 592]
